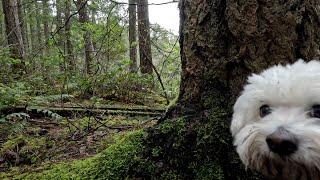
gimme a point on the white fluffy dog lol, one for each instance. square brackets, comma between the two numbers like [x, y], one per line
[276, 122]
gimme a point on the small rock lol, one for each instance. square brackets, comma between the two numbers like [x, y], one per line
[43, 132]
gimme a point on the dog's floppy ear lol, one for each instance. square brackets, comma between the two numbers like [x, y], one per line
[240, 114]
[236, 124]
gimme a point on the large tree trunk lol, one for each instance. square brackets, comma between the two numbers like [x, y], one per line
[89, 50]
[222, 42]
[144, 37]
[68, 46]
[228, 41]
[14, 35]
[133, 34]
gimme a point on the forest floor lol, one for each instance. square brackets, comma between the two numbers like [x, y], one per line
[32, 138]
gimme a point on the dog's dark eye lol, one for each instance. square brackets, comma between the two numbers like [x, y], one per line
[265, 110]
[315, 111]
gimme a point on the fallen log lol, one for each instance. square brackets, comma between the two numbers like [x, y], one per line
[35, 111]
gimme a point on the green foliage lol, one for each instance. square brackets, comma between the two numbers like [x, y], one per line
[13, 94]
[117, 85]
[47, 99]
[166, 57]
[6, 63]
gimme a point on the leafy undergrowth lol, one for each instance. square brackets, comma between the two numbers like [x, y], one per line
[115, 88]
[32, 144]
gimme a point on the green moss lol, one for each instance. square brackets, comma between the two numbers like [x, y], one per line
[26, 149]
[194, 147]
[115, 162]
[209, 171]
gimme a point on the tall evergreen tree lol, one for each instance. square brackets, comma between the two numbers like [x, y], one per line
[13, 30]
[89, 49]
[144, 37]
[68, 45]
[133, 34]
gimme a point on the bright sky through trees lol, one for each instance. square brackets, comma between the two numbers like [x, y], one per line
[166, 15]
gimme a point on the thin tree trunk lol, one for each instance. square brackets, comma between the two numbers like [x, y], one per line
[222, 42]
[23, 25]
[89, 50]
[94, 21]
[133, 34]
[32, 39]
[2, 27]
[39, 34]
[69, 46]
[45, 16]
[61, 34]
[144, 37]
[13, 32]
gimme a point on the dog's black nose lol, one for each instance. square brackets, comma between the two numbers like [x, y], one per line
[282, 142]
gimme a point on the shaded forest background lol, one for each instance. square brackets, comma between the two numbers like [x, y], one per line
[76, 74]
[81, 48]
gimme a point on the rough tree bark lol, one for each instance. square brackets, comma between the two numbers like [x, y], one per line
[89, 49]
[14, 35]
[222, 42]
[144, 37]
[68, 46]
[229, 40]
[133, 34]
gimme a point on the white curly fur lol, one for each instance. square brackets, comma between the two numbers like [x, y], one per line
[290, 91]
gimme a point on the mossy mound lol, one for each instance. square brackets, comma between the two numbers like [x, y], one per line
[115, 162]
[193, 147]
[24, 150]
